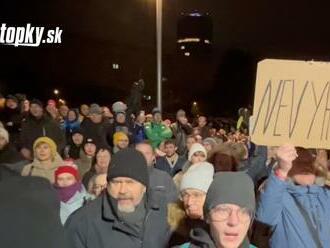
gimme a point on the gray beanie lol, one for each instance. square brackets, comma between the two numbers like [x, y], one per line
[95, 109]
[198, 176]
[230, 188]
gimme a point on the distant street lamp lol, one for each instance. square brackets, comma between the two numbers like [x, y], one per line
[56, 92]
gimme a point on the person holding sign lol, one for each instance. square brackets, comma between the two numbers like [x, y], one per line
[295, 203]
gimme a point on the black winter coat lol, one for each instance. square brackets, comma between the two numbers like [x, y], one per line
[97, 226]
[34, 128]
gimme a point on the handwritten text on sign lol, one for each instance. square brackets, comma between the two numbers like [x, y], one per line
[292, 104]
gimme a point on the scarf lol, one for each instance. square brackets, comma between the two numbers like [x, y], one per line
[66, 193]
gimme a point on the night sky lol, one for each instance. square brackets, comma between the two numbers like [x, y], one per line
[97, 34]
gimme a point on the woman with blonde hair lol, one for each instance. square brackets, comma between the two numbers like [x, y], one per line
[46, 159]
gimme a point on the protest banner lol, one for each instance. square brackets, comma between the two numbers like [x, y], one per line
[291, 104]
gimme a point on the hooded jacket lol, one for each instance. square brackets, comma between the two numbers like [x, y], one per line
[277, 208]
[37, 169]
[97, 225]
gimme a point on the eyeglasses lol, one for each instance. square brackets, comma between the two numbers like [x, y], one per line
[222, 213]
[195, 195]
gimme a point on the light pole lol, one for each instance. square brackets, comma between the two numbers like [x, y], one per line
[159, 6]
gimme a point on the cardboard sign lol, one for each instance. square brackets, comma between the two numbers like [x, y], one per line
[292, 104]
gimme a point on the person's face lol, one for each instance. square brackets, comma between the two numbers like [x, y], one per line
[229, 225]
[90, 149]
[190, 142]
[84, 110]
[99, 185]
[198, 157]
[304, 179]
[72, 116]
[106, 112]
[123, 143]
[26, 105]
[120, 118]
[193, 201]
[36, 110]
[128, 193]
[65, 180]
[207, 146]
[64, 111]
[77, 139]
[3, 142]
[158, 118]
[141, 118]
[170, 150]
[147, 152]
[199, 138]
[103, 159]
[10, 103]
[96, 118]
[43, 152]
[201, 121]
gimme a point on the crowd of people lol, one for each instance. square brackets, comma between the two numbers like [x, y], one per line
[98, 176]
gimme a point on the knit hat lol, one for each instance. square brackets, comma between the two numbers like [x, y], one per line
[303, 164]
[230, 188]
[4, 133]
[69, 162]
[210, 141]
[119, 107]
[67, 169]
[198, 176]
[196, 147]
[12, 97]
[129, 163]
[48, 141]
[36, 101]
[89, 140]
[156, 111]
[95, 109]
[119, 136]
[180, 113]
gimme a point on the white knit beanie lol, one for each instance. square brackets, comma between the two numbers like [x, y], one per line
[4, 134]
[196, 147]
[198, 176]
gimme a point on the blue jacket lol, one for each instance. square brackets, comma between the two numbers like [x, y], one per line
[278, 209]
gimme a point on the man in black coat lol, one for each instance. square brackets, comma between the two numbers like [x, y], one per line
[38, 125]
[95, 126]
[128, 214]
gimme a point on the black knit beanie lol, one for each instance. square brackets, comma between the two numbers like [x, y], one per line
[230, 188]
[129, 163]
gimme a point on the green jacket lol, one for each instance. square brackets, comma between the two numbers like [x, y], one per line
[157, 133]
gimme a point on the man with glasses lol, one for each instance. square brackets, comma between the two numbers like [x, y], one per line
[228, 209]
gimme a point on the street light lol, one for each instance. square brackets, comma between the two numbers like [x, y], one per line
[56, 92]
[159, 5]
